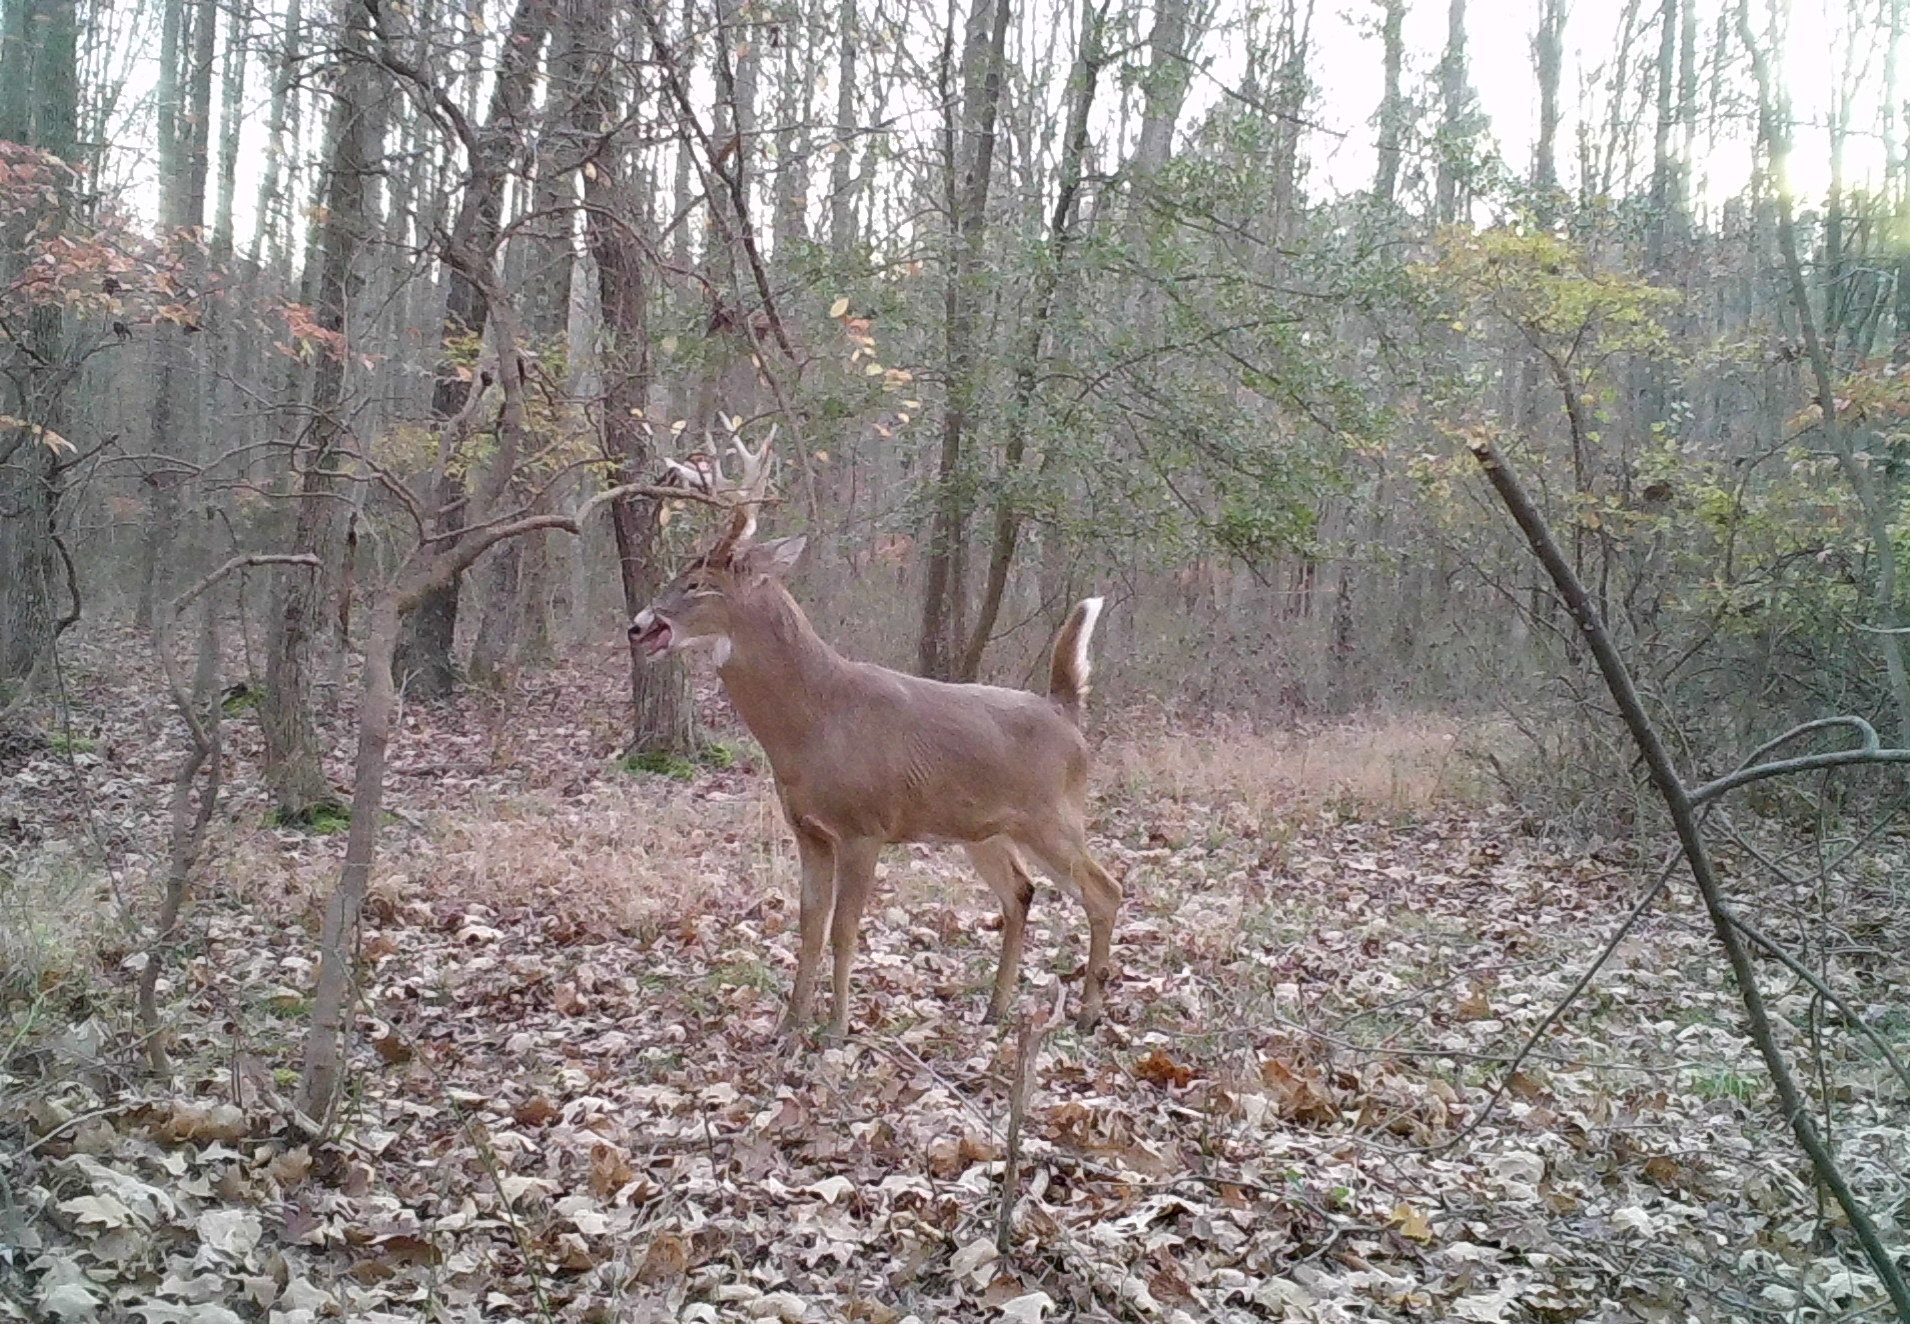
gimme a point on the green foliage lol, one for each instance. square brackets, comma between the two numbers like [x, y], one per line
[320, 820]
[1548, 288]
[239, 699]
[660, 763]
[713, 755]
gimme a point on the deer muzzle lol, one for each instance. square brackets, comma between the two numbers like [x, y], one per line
[651, 634]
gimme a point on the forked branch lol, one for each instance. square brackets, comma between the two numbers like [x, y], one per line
[1683, 806]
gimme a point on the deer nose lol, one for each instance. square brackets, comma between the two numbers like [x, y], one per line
[641, 622]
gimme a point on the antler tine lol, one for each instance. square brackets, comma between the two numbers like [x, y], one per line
[745, 492]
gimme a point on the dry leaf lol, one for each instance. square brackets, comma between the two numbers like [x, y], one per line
[1157, 1068]
[666, 1260]
[1411, 1223]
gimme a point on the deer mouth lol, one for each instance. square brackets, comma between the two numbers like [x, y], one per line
[652, 638]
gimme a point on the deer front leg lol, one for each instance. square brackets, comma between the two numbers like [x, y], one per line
[818, 858]
[855, 875]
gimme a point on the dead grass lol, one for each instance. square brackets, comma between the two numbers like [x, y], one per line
[629, 856]
[633, 855]
[1379, 767]
[55, 911]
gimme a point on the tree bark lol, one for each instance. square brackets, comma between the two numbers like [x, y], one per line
[971, 152]
[271, 225]
[1392, 106]
[39, 107]
[1455, 138]
[293, 757]
[1027, 356]
[424, 659]
[662, 715]
[1548, 53]
[323, 1067]
[842, 206]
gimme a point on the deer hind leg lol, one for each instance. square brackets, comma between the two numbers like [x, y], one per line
[1062, 853]
[1000, 866]
[855, 876]
[818, 856]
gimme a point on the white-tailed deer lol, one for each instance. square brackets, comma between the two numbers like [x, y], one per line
[865, 756]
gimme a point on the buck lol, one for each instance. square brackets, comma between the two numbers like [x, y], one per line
[864, 756]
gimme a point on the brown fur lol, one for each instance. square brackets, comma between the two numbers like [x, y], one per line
[865, 756]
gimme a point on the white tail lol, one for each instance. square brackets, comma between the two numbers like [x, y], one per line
[865, 756]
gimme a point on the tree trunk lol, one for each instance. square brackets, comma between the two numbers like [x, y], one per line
[231, 119]
[293, 757]
[842, 207]
[1666, 192]
[971, 155]
[1027, 357]
[1548, 53]
[39, 107]
[662, 715]
[1392, 107]
[162, 517]
[323, 1067]
[424, 650]
[1455, 137]
[272, 224]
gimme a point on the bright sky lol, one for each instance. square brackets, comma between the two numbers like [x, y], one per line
[1346, 69]
[1499, 39]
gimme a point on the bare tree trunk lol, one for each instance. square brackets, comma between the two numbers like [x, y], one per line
[789, 224]
[1165, 90]
[1027, 357]
[323, 1066]
[1392, 108]
[1548, 52]
[271, 224]
[971, 155]
[425, 643]
[231, 119]
[842, 206]
[1455, 145]
[293, 757]
[1666, 191]
[39, 107]
[663, 717]
[201, 709]
[162, 518]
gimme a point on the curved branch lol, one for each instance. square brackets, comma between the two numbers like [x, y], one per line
[1784, 767]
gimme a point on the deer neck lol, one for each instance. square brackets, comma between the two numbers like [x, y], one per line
[779, 672]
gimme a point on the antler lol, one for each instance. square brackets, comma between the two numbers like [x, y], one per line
[742, 494]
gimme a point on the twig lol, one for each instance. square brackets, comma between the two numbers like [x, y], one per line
[1027, 1050]
[1824, 991]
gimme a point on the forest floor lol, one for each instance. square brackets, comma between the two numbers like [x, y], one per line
[567, 1103]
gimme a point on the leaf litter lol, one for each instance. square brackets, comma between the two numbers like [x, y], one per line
[567, 1101]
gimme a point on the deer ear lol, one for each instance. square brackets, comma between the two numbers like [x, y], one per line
[773, 559]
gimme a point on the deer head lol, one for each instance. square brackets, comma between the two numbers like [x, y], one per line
[697, 608]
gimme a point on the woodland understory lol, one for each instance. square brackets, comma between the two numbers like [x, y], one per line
[1488, 433]
[565, 1101]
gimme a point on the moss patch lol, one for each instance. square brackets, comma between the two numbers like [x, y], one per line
[321, 820]
[680, 767]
